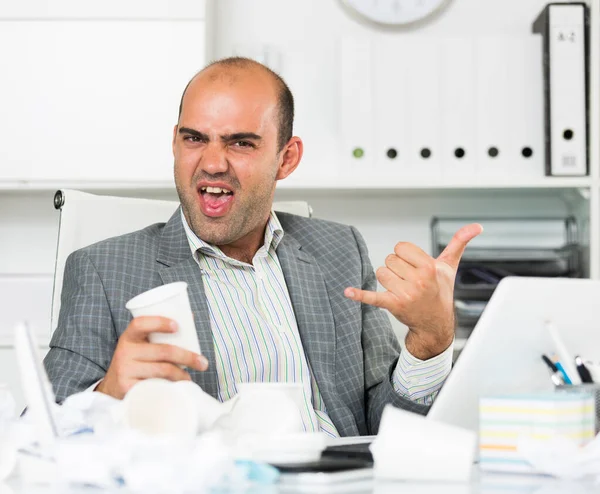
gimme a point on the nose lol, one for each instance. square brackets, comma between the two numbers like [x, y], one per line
[213, 159]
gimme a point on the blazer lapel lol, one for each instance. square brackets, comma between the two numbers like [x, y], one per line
[314, 316]
[178, 264]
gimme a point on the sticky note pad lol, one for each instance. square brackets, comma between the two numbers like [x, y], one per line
[505, 420]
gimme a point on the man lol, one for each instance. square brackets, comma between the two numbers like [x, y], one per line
[276, 297]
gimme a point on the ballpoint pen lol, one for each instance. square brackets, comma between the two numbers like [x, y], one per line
[583, 371]
[564, 356]
[562, 371]
[556, 377]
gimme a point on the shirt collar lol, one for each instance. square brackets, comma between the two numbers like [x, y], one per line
[273, 236]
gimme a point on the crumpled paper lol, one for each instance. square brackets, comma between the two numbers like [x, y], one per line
[7, 404]
[13, 434]
[100, 445]
[562, 458]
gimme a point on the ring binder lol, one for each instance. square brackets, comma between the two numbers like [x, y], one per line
[565, 28]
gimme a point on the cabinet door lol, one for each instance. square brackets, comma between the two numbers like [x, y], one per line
[93, 100]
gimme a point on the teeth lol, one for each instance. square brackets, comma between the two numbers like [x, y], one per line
[215, 190]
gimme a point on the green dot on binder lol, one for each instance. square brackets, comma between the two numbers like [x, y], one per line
[358, 152]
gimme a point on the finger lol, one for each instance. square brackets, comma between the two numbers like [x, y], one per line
[392, 282]
[377, 299]
[162, 370]
[401, 268]
[412, 254]
[151, 352]
[456, 247]
[140, 327]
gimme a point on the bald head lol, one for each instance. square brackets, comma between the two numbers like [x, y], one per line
[231, 69]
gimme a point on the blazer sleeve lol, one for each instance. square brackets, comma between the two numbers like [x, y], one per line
[381, 350]
[82, 346]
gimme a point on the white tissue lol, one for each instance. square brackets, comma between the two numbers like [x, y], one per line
[89, 459]
[36, 467]
[163, 437]
[256, 412]
[7, 404]
[6, 489]
[8, 459]
[562, 457]
[12, 434]
[209, 409]
[192, 466]
[98, 412]
[8, 455]
[280, 449]
[410, 447]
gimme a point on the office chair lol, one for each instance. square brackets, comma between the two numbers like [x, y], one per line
[88, 218]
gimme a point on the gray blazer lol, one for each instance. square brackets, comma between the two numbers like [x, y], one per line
[350, 347]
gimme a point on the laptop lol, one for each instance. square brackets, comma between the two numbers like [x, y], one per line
[503, 353]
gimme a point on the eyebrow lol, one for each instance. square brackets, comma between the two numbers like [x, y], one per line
[226, 137]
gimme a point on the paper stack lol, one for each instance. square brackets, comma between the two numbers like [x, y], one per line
[506, 422]
[412, 447]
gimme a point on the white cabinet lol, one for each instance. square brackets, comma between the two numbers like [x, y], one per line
[94, 98]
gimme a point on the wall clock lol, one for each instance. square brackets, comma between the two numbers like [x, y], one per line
[394, 13]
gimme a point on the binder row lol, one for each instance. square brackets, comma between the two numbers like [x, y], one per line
[458, 107]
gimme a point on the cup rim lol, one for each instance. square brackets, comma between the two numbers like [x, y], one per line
[149, 297]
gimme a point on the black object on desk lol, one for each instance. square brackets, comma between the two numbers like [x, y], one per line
[325, 465]
[358, 451]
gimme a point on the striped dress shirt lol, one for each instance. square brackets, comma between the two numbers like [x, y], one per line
[256, 336]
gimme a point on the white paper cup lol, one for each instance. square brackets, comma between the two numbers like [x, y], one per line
[170, 301]
[294, 391]
[269, 407]
[160, 407]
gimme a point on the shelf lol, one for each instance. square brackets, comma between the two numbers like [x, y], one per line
[326, 183]
[399, 183]
[40, 185]
[40, 343]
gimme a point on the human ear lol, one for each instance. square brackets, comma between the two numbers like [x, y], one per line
[291, 156]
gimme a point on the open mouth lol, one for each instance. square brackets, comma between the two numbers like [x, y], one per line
[215, 201]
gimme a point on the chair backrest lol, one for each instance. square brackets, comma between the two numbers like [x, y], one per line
[88, 218]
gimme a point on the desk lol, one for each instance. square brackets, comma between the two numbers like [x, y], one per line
[481, 483]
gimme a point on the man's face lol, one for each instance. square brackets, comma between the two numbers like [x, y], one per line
[226, 156]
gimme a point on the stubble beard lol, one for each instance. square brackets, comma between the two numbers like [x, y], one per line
[247, 214]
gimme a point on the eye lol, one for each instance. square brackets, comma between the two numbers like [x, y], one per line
[191, 138]
[244, 144]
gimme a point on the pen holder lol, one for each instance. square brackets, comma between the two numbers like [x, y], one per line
[591, 388]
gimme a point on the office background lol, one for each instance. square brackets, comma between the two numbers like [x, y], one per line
[89, 94]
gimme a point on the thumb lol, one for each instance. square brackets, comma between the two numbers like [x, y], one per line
[454, 250]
